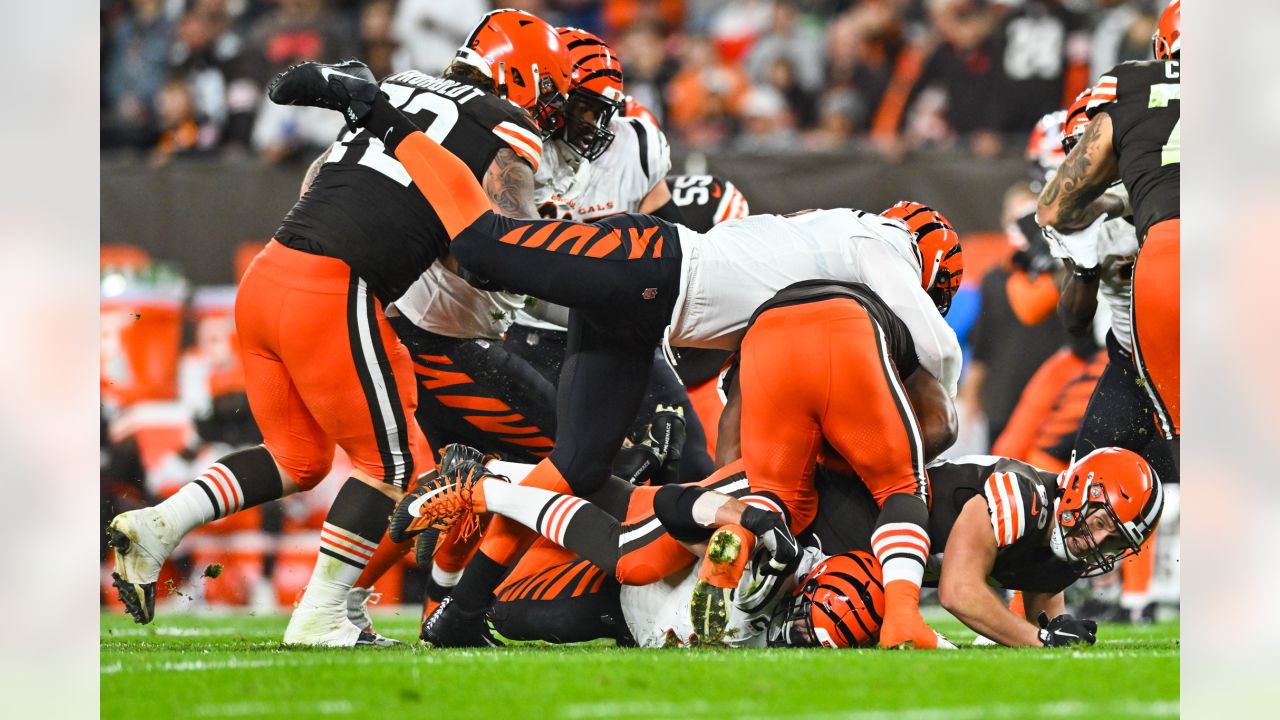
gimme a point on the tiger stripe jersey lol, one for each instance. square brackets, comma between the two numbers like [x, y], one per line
[1144, 100]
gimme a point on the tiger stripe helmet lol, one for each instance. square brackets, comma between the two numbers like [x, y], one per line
[596, 95]
[1120, 485]
[839, 604]
[1168, 34]
[937, 248]
[523, 56]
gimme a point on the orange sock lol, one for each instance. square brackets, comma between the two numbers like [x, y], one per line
[902, 620]
[454, 551]
[1135, 573]
[384, 558]
[1015, 605]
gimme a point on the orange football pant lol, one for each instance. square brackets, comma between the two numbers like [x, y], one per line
[815, 372]
[1156, 315]
[323, 367]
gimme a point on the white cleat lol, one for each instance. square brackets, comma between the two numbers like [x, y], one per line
[329, 627]
[141, 541]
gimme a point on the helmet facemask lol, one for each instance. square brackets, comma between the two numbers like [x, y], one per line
[1095, 559]
[587, 116]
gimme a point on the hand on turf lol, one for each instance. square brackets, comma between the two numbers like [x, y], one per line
[1065, 630]
[776, 537]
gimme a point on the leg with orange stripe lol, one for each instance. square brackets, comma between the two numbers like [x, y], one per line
[901, 544]
[351, 532]
[143, 539]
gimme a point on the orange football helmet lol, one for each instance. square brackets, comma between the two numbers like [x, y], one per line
[1077, 120]
[1168, 34]
[1111, 490]
[937, 248]
[526, 61]
[840, 604]
[596, 95]
[635, 108]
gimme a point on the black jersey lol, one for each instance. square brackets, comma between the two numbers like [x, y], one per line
[706, 200]
[1143, 100]
[1019, 502]
[901, 348]
[364, 209]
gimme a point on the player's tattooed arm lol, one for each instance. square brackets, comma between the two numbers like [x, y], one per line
[509, 184]
[1073, 198]
[313, 171]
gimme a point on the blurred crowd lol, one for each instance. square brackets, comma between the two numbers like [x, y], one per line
[187, 77]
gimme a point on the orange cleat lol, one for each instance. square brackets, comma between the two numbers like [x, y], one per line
[904, 627]
[722, 567]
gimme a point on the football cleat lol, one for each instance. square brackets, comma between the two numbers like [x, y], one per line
[718, 578]
[141, 542]
[348, 87]
[454, 455]
[424, 548]
[449, 626]
[329, 627]
[441, 500]
[358, 601]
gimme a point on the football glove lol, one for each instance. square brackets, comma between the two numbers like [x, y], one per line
[1065, 630]
[775, 536]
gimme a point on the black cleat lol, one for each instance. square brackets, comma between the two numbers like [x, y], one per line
[455, 454]
[449, 626]
[348, 87]
[369, 638]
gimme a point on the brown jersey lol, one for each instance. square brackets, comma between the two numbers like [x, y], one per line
[364, 209]
[1144, 100]
[1019, 500]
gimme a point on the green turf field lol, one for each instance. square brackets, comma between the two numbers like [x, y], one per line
[234, 667]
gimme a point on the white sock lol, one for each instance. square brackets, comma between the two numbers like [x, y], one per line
[902, 550]
[187, 509]
[513, 471]
[330, 582]
[445, 578]
[522, 504]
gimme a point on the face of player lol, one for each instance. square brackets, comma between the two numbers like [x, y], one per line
[587, 118]
[1093, 542]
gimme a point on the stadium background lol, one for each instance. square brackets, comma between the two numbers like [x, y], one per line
[801, 104]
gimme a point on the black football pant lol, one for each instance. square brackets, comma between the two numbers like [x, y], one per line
[1120, 414]
[476, 392]
[620, 279]
[545, 350]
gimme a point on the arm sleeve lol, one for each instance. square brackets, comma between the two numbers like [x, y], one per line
[899, 286]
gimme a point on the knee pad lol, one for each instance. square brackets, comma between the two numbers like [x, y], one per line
[673, 505]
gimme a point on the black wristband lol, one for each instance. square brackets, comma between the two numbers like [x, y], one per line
[387, 123]
[1088, 275]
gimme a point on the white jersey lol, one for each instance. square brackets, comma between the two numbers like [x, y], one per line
[732, 269]
[616, 182]
[440, 302]
[658, 613]
[1113, 245]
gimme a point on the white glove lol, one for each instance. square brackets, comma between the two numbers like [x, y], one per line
[1081, 248]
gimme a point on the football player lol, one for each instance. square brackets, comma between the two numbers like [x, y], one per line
[1120, 413]
[627, 279]
[1135, 135]
[322, 364]
[499, 395]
